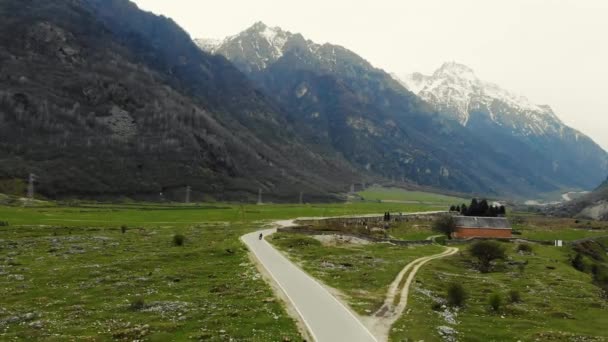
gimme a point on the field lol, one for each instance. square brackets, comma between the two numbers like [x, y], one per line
[71, 273]
[412, 230]
[558, 303]
[154, 215]
[537, 227]
[363, 272]
[405, 196]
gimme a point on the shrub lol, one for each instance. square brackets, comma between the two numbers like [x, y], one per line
[436, 306]
[591, 249]
[514, 296]
[4, 224]
[123, 229]
[445, 225]
[137, 304]
[457, 295]
[521, 267]
[579, 263]
[524, 248]
[495, 301]
[441, 240]
[178, 240]
[486, 252]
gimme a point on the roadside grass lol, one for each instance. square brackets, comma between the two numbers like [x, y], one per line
[362, 272]
[398, 194]
[558, 302]
[70, 273]
[81, 283]
[537, 227]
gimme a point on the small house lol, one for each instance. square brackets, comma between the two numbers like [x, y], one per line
[482, 227]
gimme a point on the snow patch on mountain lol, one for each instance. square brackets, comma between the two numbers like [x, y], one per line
[262, 45]
[208, 45]
[276, 38]
[456, 90]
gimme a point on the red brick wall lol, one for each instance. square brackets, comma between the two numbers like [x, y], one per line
[463, 233]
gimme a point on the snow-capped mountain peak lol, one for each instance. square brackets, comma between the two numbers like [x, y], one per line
[456, 71]
[260, 44]
[456, 90]
[207, 44]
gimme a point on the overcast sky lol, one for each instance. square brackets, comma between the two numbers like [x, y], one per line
[554, 52]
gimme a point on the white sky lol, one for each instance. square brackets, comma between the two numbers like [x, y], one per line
[554, 52]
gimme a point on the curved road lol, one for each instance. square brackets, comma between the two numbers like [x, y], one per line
[325, 317]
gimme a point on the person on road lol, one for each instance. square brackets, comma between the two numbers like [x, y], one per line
[261, 236]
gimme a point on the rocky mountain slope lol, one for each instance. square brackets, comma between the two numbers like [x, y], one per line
[340, 102]
[512, 124]
[591, 206]
[98, 98]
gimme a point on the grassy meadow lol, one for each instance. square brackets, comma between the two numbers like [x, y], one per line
[107, 272]
[363, 272]
[71, 273]
[406, 196]
[536, 227]
[558, 303]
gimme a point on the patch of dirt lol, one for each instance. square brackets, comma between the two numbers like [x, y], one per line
[336, 240]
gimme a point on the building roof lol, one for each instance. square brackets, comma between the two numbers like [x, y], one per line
[482, 222]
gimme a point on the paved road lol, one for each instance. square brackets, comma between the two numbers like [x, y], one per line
[326, 318]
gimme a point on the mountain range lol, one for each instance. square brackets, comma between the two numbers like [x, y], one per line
[512, 124]
[448, 130]
[101, 99]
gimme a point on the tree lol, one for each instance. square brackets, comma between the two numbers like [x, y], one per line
[445, 224]
[486, 252]
[464, 210]
[502, 210]
[452, 209]
[484, 208]
[473, 208]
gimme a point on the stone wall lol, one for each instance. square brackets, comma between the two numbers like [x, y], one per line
[371, 219]
[305, 231]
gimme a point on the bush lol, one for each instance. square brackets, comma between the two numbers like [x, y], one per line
[436, 306]
[592, 249]
[441, 240]
[123, 229]
[178, 240]
[579, 262]
[514, 296]
[457, 295]
[486, 252]
[524, 248]
[521, 267]
[495, 301]
[137, 304]
[4, 224]
[445, 224]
